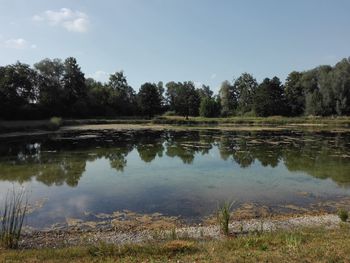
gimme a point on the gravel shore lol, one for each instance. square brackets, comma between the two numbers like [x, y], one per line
[74, 237]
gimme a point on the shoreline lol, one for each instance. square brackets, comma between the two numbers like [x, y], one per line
[10, 128]
[77, 237]
[164, 127]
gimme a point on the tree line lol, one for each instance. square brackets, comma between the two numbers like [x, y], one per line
[53, 87]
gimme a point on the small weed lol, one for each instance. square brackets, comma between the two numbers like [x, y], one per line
[263, 247]
[343, 215]
[293, 241]
[224, 216]
[173, 235]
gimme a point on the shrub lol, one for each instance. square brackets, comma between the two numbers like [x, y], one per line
[12, 217]
[343, 215]
[55, 123]
[224, 216]
[169, 113]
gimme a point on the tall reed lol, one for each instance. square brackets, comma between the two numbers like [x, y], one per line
[224, 216]
[12, 217]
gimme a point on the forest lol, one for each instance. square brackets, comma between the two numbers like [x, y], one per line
[53, 87]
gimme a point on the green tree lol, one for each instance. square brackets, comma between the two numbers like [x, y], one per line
[171, 88]
[245, 87]
[186, 100]
[98, 96]
[295, 94]
[123, 96]
[341, 86]
[51, 91]
[268, 99]
[74, 89]
[228, 97]
[18, 91]
[209, 107]
[205, 92]
[149, 99]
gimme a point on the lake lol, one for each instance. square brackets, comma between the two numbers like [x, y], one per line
[176, 173]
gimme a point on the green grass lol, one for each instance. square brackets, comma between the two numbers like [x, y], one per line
[303, 245]
[343, 215]
[224, 216]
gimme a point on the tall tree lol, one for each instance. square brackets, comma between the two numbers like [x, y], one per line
[74, 88]
[186, 100]
[245, 87]
[171, 88]
[50, 85]
[341, 86]
[123, 96]
[268, 99]
[228, 97]
[149, 99]
[205, 92]
[295, 94]
[18, 91]
[209, 107]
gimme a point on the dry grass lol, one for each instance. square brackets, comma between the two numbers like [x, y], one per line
[303, 245]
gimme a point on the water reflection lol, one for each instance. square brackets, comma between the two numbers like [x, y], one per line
[62, 159]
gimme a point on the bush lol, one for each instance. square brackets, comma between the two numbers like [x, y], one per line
[55, 123]
[343, 215]
[169, 113]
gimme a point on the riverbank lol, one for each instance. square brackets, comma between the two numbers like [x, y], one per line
[38, 128]
[146, 229]
[319, 238]
[229, 122]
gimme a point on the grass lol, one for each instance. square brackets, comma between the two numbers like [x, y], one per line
[343, 215]
[246, 120]
[224, 216]
[303, 245]
[12, 217]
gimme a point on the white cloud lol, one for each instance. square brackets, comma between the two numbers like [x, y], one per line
[74, 21]
[213, 76]
[99, 75]
[17, 43]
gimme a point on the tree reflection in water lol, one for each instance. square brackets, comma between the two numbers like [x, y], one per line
[61, 159]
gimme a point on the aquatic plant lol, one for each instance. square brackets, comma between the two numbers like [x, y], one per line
[12, 217]
[224, 216]
[343, 215]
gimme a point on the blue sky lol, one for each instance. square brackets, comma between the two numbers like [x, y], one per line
[205, 41]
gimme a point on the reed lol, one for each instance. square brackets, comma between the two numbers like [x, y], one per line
[12, 218]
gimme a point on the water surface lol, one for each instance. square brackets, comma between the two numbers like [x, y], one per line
[176, 173]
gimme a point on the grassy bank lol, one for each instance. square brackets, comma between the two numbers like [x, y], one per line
[303, 245]
[273, 120]
[32, 125]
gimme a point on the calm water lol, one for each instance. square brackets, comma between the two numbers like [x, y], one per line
[175, 173]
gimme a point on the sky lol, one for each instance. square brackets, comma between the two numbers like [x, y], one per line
[205, 41]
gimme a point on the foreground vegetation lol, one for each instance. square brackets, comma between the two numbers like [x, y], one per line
[303, 245]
